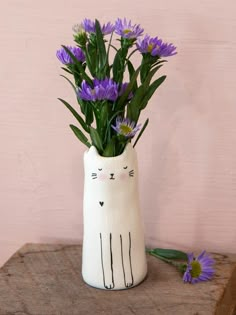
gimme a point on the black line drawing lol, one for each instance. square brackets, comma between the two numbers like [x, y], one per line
[122, 258]
[110, 286]
[125, 272]
[102, 261]
[112, 273]
[94, 175]
[130, 262]
[131, 173]
[127, 284]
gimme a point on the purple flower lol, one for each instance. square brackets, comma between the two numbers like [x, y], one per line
[199, 269]
[105, 89]
[125, 29]
[89, 26]
[125, 127]
[155, 47]
[65, 58]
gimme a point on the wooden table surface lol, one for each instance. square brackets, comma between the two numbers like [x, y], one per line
[43, 279]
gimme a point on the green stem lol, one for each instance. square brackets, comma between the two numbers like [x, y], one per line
[132, 53]
[114, 47]
[179, 266]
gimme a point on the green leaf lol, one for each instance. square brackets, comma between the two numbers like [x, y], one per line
[82, 104]
[104, 115]
[150, 75]
[79, 66]
[76, 115]
[147, 63]
[170, 253]
[101, 45]
[131, 72]
[117, 67]
[107, 57]
[141, 132]
[79, 134]
[72, 84]
[152, 88]
[88, 112]
[129, 88]
[145, 69]
[136, 103]
[65, 69]
[96, 140]
[90, 54]
[158, 63]
[110, 149]
[133, 108]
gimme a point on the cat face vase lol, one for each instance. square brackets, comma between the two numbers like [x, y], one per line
[113, 244]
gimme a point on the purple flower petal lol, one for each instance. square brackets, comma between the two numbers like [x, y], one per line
[105, 89]
[125, 29]
[89, 26]
[65, 58]
[125, 127]
[155, 47]
[199, 268]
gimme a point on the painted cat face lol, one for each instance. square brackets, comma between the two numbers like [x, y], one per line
[110, 170]
[103, 174]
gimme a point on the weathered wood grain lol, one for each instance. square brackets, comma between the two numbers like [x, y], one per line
[46, 280]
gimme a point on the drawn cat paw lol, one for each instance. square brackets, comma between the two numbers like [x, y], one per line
[128, 284]
[110, 286]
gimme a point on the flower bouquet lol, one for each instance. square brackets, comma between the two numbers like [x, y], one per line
[110, 107]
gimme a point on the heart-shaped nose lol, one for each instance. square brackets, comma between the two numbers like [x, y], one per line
[112, 174]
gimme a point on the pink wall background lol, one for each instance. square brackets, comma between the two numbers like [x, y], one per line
[187, 156]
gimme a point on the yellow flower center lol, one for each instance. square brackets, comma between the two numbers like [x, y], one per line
[125, 129]
[127, 31]
[196, 269]
[150, 47]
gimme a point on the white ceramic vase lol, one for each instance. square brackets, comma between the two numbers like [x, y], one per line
[113, 244]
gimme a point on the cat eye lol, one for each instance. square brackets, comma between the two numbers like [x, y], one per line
[125, 167]
[100, 169]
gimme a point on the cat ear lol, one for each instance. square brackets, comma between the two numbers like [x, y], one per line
[92, 152]
[129, 150]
